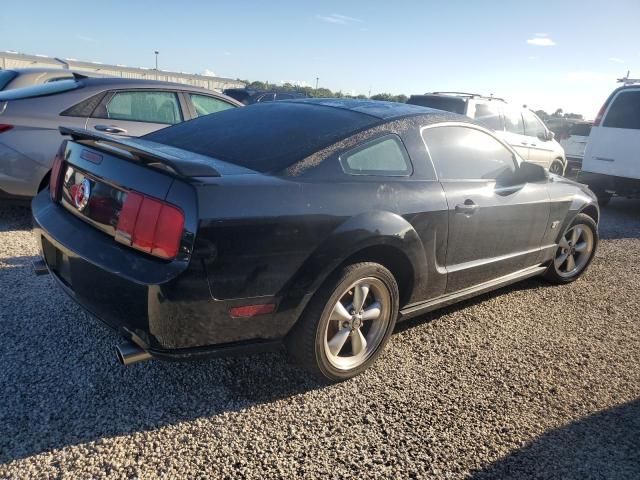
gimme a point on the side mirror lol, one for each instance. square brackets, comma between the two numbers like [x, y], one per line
[546, 136]
[531, 173]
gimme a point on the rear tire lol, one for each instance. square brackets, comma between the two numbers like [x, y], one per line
[347, 323]
[575, 251]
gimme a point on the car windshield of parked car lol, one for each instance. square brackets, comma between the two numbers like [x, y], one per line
[625, 111]
[40, 90]
[448, 104]
[264, 137]
[580, 129]
[462, 153]
[6, 76]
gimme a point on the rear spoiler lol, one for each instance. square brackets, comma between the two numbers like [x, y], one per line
[155, 155]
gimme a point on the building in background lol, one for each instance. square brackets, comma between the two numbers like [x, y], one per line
[9, 60]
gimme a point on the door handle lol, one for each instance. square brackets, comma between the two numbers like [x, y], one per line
[524, 144]
[468, 207]
[110, 129]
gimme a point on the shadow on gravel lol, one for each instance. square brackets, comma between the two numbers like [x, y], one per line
[529, 284]
[604, 445]
[620, 219]
[14, 217]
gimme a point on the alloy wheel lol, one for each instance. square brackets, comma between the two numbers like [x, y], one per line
[358, 323]
[556, 168]
[574, 250]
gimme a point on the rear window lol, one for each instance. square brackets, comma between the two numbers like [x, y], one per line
[625, 111]
[263, 137]
[40, 90]
[580, 129]
[6, 76]
[448, 104]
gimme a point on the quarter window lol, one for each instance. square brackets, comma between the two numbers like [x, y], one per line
[145, 106]
[625, 111]
[205, 105]
[463, 153]
[513, 121]
[532, 126]
[385, 156]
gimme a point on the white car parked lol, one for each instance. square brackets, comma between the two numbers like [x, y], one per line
[611, 162]
[518, 126]
[575, 143]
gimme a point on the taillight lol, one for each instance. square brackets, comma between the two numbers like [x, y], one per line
[150, 225]
[598, 120]
[56, 173]
[5, 127]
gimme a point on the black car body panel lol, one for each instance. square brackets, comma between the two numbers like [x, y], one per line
[274, 236]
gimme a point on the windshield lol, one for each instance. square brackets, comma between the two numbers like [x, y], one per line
[5, 77]
[40, 90]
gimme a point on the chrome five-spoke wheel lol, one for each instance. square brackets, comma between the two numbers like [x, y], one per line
[358, 323]
[574, 250]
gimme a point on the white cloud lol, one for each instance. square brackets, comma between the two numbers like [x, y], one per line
[541, 42]
[338, 19]
[227, 54]
[209, 73]
[616, 60]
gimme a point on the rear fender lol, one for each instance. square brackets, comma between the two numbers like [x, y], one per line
[377, 228]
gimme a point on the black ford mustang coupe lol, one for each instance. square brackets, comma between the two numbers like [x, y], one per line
[313, 224]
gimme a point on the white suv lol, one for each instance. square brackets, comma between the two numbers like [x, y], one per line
[519, 127]
[612, 158]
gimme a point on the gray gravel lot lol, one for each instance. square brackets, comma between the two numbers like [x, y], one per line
[531, 381]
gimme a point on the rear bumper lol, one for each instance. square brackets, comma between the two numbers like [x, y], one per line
[610, 183]
[164, 307]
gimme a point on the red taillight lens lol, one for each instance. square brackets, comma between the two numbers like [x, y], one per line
[150, 225]
[5, 127]
[596, 122]
[56, 173]
[252, 310]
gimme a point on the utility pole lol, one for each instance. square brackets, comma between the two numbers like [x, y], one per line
[317, 78]
[156, 52]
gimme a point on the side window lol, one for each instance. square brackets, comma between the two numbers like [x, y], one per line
[513, 121]
[284, 96]
[488, 115]
[625, 111]
[532, 126]
[463, 153]
[204, 104]
[145, 106]
[384, 156]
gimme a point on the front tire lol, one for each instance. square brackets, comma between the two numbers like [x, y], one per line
[347, 323]
[557, 168]
[575, 251]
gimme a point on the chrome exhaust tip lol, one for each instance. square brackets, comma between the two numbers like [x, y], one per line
[129, 353]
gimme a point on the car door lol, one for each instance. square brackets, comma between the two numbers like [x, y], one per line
[541, 145]
[514, 133]
[495, 226]
[136, 112]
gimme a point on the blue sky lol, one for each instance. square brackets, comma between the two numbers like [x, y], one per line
[562, 53]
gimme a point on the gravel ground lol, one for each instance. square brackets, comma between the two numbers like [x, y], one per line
[531, 381]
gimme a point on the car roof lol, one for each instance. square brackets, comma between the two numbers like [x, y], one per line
[43, 70]
[287, 131]
[115, 82]
[374, 108]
